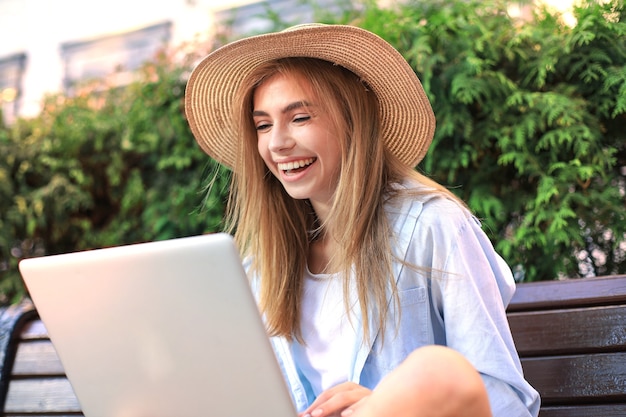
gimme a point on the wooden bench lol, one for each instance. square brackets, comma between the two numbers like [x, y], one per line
[32, 379]
[571, 336]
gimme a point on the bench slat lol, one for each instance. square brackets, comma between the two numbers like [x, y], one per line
[603, 410]
[571, 292]
[44, 415]
[568, 331]
[41, 396]
[578, 379]
[37, 358]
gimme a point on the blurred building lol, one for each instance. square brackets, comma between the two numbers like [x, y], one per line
[50, 46]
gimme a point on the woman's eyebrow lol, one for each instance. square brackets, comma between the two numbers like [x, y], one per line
[292, 106]
[296, 105]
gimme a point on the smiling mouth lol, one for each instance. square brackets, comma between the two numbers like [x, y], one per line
[295, 166]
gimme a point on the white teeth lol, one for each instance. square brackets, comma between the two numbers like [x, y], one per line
[295, 164]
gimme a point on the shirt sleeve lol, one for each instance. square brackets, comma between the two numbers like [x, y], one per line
[471, 289]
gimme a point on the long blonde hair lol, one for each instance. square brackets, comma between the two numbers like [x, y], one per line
[275, 228]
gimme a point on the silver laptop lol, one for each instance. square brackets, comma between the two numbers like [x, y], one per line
[161, 329]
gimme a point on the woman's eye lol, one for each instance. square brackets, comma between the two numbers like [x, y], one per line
[301, 119]
[263, 126]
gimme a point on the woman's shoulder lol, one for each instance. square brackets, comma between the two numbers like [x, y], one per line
[431, 206]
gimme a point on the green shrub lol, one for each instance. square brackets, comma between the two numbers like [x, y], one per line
[109, 166]
[531, 125]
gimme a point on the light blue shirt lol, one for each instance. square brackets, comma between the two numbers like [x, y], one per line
[456, 298]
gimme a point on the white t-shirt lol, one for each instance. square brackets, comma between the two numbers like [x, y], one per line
[328, 335]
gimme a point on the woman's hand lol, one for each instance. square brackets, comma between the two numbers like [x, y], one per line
[338, 401]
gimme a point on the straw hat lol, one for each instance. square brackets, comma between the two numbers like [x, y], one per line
[407, 119]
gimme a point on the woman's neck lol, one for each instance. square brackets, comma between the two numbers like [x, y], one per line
[321, 252]
[321, 211]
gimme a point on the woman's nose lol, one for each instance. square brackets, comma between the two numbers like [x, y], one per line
[280, 139]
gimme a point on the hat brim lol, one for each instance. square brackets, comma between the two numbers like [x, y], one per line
[406, 116]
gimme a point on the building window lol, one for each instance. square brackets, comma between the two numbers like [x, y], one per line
[269, 15]
[11, 72]
[117, 55]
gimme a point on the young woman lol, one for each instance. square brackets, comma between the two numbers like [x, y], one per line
[382, 294]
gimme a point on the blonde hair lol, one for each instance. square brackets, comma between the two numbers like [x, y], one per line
[275, 229]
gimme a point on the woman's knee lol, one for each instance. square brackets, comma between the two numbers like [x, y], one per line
[446, 380]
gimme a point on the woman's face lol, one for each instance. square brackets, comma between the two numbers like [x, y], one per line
[297, 139]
